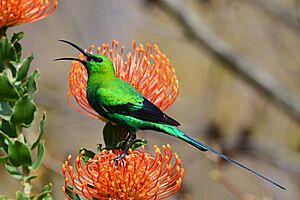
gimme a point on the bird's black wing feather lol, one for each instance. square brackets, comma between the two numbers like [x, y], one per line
[147, 112]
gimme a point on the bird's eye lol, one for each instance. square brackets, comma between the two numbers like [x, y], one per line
[99, 60]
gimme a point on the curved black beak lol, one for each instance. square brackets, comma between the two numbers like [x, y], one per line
[86, 54]
[76, 59]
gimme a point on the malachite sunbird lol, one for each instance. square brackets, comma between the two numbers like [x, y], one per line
[121, 103]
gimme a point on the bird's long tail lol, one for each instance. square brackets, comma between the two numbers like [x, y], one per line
[172, 130]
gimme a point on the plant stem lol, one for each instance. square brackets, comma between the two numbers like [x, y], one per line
[3, 32]
[26, 186]
[20, 135]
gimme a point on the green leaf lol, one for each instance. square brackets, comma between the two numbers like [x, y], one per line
[19, 154]
[23, 111]
[45, 195]
[5, 111]
[138, 143]
[20, 196]
[3, 158]
[14, 172]
[8, 128]
[39, 158]
[47, 188]
[31, 83]
[3, 197]
[87, 154]
[18, 49]
[23, 68]
[17, 37]
[7, 51]
[71, 195]
[28, 179]
[41, 130]
[5, 140]
[8, 91]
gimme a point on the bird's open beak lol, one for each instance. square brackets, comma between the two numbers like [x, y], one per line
[86, 54]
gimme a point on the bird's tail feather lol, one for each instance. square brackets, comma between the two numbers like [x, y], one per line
[172, 130]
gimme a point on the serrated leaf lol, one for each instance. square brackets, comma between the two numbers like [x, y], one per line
[70, 194]
[17, 37]
[41, 130]
[87, 154]
[31, 83]
[8, 91]
[13, 171]
[7, 51]
[19, 154]
[39, 157]
[24, 67]
[23, 111]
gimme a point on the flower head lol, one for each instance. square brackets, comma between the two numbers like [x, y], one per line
[15, 12]
[145, 68]
[137, 176]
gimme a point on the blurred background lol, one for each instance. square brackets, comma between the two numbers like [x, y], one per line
[238, 66]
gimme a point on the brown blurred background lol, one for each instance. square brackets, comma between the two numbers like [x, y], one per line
[217, 103]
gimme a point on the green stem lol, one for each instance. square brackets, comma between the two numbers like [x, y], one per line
[26, 185]
[20, 136]
[3, 32]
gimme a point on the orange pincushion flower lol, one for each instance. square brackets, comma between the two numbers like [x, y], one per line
[137, 176]
[147, 69]
[15, 12]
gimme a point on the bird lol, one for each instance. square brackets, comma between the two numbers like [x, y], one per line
[120, 103]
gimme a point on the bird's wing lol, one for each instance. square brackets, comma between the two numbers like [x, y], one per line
[144, 110]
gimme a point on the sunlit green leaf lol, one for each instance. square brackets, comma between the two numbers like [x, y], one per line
[23, 111]
[7, 92]
[13, 171]
[19, 154]
[41, 130]
[39, 158]
[24, 67]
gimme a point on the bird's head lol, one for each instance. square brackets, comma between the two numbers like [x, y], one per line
[94, 63]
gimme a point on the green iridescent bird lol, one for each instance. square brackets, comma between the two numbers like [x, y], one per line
[121, 103]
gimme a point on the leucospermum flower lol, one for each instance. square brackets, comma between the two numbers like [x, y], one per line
[145, 68]
[137, 176]
[15, 12]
